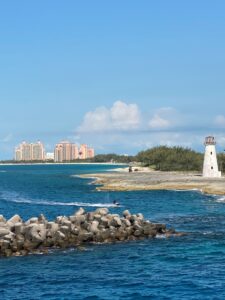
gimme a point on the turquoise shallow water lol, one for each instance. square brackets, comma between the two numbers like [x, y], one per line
[188, 267]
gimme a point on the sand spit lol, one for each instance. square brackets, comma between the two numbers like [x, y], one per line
[156, 180]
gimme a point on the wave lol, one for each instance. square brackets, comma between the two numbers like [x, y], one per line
[220, 199]
[185, 190]
[13, 197]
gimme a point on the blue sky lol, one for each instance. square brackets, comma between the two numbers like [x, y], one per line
[119, 75]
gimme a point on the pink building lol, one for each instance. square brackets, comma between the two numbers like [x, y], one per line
[83, 151]
[30, 152]
[66, 151]
[91, 152]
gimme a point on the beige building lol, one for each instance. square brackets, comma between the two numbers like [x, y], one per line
[30, 152]
[66, 151]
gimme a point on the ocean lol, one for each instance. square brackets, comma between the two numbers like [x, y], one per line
[187, 267]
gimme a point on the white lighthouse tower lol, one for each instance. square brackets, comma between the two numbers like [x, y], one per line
[210, 166]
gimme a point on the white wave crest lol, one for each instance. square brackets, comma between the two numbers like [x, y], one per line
[220, 199]
[15, 198]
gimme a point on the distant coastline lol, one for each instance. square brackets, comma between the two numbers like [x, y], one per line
[64, 163]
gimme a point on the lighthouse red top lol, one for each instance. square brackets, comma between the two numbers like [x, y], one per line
[210, 140]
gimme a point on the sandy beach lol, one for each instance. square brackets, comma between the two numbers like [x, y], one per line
[143, 179]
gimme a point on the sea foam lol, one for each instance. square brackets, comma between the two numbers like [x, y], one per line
[16, 198]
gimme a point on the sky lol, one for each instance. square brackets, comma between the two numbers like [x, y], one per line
[121, 76]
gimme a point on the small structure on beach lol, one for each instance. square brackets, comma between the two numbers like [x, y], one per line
[210, 165]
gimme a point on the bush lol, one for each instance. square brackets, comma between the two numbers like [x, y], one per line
[165, 158]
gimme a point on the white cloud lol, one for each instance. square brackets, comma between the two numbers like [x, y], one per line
[167, 126]
[220, 121]
[164, 118]
[158, 122]
[120, 116]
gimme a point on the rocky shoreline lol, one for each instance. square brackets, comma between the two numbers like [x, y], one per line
[157, 180]
[38, 235]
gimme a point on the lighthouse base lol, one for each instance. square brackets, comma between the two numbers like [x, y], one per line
[212, 174]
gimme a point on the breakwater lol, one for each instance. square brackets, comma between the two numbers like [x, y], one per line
[37, 234]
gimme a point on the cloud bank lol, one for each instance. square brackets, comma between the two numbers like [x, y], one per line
[124, 128]
[120, 116]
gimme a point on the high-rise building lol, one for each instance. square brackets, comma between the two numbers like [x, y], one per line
[58, 153]
[38, 151]
[66, 151]
[91, 152]
[83, 152]
[75, 152]
[86, 152]
[18, 154]
[30, 152]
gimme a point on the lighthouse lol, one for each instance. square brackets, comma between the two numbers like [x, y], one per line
[210, 165]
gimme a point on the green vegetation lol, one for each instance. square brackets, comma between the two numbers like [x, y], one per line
[165, 158]
[221, 161]
[100, 158]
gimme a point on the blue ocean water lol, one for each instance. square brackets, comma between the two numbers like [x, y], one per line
[188, 267]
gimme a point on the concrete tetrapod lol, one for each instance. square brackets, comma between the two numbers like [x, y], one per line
[38, 235]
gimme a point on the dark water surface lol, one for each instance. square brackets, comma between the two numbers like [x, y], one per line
[189, 267]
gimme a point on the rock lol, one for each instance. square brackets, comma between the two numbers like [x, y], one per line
[42, 219]
[102, 211]
[126, 222]
[33, 220]
[126, 213]
[93, 227]
[65, 229]
[116, 222]
[9, 237]
[36, 233]
[59, 235]
[5, 244]
[104, 221]
[2, 219]
[80, 211]
[80, 219]
[20, 242]
[72, 219]
[132, 218]
[97, 217]
[75, 230]
[59, 219]
[85, 236]
[67, 223]
[90, 216]
[15, 219]
[140, 217]
[136, 226]
[52, 227]
[18, 228]
[137, 233]
[160, 228]
[4, 231]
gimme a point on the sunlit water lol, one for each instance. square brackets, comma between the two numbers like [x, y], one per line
[188, 267]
